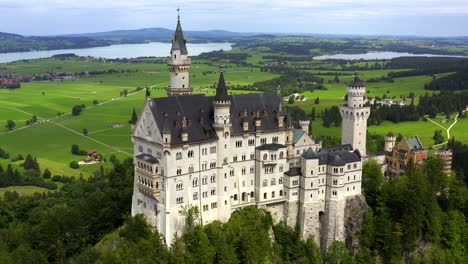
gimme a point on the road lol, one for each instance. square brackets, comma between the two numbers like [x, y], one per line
[446, 129]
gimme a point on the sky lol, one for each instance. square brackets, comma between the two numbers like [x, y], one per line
[364, 17]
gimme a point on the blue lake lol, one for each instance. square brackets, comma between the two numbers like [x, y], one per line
[153, 49]
[378, 55]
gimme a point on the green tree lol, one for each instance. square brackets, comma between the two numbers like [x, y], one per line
[46, 174]
[30, 163]
[10, 124]
[338, 254]
[317, 101]
[85, 132]
[372, 181]
[75, 150]
[192, 217]
[134, 118]
[76, 110]
[74, 165]
[291, 99]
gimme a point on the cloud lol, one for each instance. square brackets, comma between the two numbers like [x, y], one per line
[238, 15]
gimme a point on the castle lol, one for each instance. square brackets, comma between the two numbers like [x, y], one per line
[225, 152]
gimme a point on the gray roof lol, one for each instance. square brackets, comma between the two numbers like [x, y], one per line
[334, 158]
[221, 91]
[272, 146]
[297, 134]
[198, 110]
[381, 153]
[356, 82]
[390, 134]
[345, 147]
[294, 171]
[178, 41]
[148, 158]
[415, 143]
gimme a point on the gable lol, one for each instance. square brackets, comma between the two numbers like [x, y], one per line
[146, 126]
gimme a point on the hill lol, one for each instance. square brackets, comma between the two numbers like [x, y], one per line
[160, 34]
[17, 43]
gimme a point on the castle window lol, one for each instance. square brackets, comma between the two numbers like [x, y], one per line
[190, 169]
[265, 156]
[265, 113]
[189, 122]
[355, 177]
[179, 200]
[251, 142]
[252, 156]
[355, 165]
[263, 141]
[205, 194]
[295, 182]
[241, 114]
[243, 157]
[213, 191]
[140, 148]
[179, 155]
[341, 170]
[281, 193]
[238, 143]
[275, 139]
[178, 113]
[202, 120]
[179, 186]
[281, 168]
[252, 169]
[177, 123]
[231, 172]
[165, 114]
[235, 197]
[213, 178]
[205, 180]
[234, 159]
[335, 182]
[243, 170]
[264, 195]
[213, 165]
[179, 171]
[311, 172]
[205, 207]
[190, 154]
[214, 205]
[311, 185]
[281, 154]
[195, 196]
[349, 166]
[280, 181]
[212, 150]
[272, 194]
[273, 181]
[195, 182]
[265, 183]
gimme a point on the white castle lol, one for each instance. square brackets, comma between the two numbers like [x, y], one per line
[226, 152]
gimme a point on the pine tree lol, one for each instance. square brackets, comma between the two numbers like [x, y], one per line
[134, 118]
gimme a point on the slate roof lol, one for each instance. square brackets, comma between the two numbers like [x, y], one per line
[356, 82]
[345, 147]
[381, 153]
[148, 158]
[390, 134]
[333, 158]
[178, 41]
[272, 146]
[221, 91]
[198, 110]
[294, 171]
[297, 134]
[415, 143]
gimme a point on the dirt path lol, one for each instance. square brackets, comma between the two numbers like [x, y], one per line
[446, 130]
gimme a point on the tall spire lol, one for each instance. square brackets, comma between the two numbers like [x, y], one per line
[178, 41]
[221, 91]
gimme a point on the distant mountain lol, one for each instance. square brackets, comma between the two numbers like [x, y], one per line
[161, 34]
[17, 43]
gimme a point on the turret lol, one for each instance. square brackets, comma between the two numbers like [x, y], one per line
[305, 125]
[245, 121]
[280, 115]
[222, 104]
[390, 141]
[179, 65]
[184, 134]
[356, 90]
[166, 133]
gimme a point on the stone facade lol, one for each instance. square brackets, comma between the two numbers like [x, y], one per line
[227, 152]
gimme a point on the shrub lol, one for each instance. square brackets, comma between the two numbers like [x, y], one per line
[74, 165]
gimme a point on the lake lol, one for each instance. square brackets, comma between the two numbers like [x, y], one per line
[153, 49]
[378, 55]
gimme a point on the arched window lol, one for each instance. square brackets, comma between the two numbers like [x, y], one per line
[265, 156]
[264, 195]
[280, 181]
[235, 197]
[195, 182]
[281, 193]
[213, 191]
[190, 169]
[273, 181]
[265, 183]
[281, 155]
[195, 196]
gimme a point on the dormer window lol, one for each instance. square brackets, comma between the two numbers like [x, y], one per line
[177, 123]
[165, 114]
[189, 122]
[175, 56]
[202, 120]
[241, 114]
[178, 113]
[202, 110]
[253, 114]
[265, 113]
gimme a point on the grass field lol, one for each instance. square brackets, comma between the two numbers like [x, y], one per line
[51, 143]
[23, 190]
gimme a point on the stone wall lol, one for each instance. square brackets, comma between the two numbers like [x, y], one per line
[355, 213]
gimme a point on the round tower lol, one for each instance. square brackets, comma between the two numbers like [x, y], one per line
[304, 125]
[355, 115]
[390, 140]
[179, 65]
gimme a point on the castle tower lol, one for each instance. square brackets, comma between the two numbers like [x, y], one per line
[355, 116]
[222, 125]
[179, 65]
[446, 155]
[305, 125]
[390, 140]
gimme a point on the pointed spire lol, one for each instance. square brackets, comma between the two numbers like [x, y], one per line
[178, 41]
[280, 108]
[184, 123]
[221, 91]
[166, 128]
